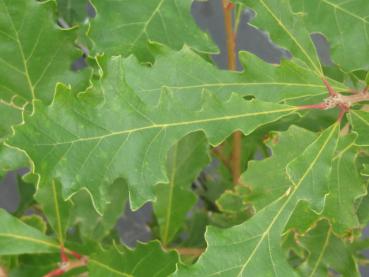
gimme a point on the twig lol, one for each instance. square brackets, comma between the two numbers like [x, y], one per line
[66, 265]
[217, 151]
[343, 102]
[231, 52]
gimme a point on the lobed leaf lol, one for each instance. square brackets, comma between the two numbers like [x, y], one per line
[185, 161]
[345, 25]
[84, 141]
[327, 252]
[17, 238]
[145, 260]
[186, 74]
[254, 247]
[129, 27]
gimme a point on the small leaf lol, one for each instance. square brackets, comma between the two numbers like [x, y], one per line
[185, 161]
[18, 238]
[345, 187]
[327, 252]
[267, 178]
[57, 210]
[129, 27]
[92, 225]
[145, 260]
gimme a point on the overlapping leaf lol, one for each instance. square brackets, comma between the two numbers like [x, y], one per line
[326, 253]
[254, 247]
[187, 74]
[144, 260]
[344, 23]
[18, 238]
[287, 29]
[267, 179]
[346, 187]
[360, 123]
[173, 200]
[36, 53]
[92, 225]
[84, 141]
[126, 27]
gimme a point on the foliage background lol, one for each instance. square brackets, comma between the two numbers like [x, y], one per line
[209, 16]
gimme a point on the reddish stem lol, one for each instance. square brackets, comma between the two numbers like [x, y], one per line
[63, 256]
[76, 255]
[320, 106]
[330, 89]
[342, 113]
[231, 51]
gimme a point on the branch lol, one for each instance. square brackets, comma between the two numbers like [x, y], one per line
[231, 51]
[217, 151]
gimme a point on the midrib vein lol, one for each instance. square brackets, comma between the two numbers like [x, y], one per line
[148, 21]
[169, 125]
[317, 69]
[20, 48]
[30, 239]
[207, 85]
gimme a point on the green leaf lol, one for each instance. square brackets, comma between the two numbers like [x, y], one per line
[360, 122]
[11, 115]
[145, 260]
[267, 178]
[186, 74]
[173, 200]
[36, 53]
[345, 25]
[79, 141]
[254, 247]
[287, 29]
[17, 238]
[326, 252]
[11, 159]
[345, 187]
[129, 27]
[92, 225]
[57, 210]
